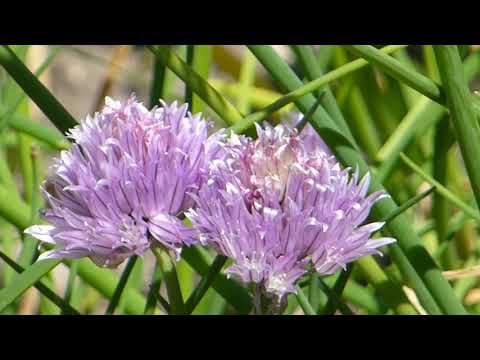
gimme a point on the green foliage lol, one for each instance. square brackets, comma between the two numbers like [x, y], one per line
[412, 124]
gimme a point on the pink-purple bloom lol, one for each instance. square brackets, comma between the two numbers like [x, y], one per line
[120, 187]
[280, 204]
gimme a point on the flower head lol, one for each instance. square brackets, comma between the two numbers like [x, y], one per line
[123, 182]
[281, 202]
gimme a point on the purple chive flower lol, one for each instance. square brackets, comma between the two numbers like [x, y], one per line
[277, 204]
[123, 182]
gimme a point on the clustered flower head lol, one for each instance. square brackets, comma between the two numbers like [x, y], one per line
[282, 204]
[120, 187]
[278, 206]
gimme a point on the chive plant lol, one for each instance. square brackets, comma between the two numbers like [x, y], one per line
[338, 180]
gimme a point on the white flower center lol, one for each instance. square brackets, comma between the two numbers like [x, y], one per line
[277, 283]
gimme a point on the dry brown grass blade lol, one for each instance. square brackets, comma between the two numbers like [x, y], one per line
[462, 273]
[120, 53]
[29, 303]
[413, 299]
[472, 297]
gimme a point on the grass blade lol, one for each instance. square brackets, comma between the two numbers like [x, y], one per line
[121, 285]
[442, 190]
[36, 90]
[399, 71]
[169, 273]
[155, 285]
[205, 283]
[303, 302]
[302, 92]
[201, 87]
[408, 204]
[230, 290]
[461, 111]
[28, 278]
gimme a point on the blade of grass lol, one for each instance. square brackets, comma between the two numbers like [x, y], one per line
[302, 91]
[201, 87]
[121, 285]
[20, 99]
[120, 53]
[13, 209]
[312, 69]
[259, 97]
[303, 302]
[189, 62]
[246, 80]
[202, 57]
[324, 56]
[30, 277]
[230, 290]
[36, 90]
[38, 131]
[205, 283]
[417, 81]
[29, 250]
[408, 204]
[421, 117]
[6, 177]
[105, 282]
[338, 288]
[169, 273]
[155, 285]
[70, 288]
[442, 190]
[461, 111]
[344, 309]
[440, 208]
[158, 82]
[399, 71]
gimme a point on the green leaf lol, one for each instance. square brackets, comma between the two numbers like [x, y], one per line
[50, 106]
[442, 190]
[205, 283]
[230, 290]
[121, 285]
[28, 278]
[303, 302]
[462, 113]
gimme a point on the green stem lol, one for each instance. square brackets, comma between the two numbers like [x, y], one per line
[338, 288]
[461, 111]
[440, 210]
[72, 275]
[189, 62]
[156, 90]
[155, 285]
[169, 273]
[303, 302]
[332, 296]
[205, 283]
[246, 80]
[121, 285]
